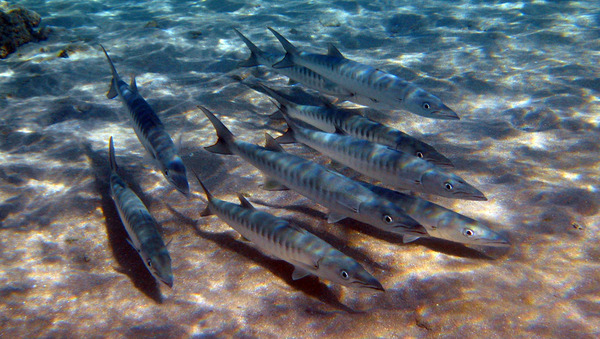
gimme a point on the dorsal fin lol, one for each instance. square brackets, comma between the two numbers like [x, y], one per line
[334, 52]
[271, 144]
[245, 203]
[111, 155]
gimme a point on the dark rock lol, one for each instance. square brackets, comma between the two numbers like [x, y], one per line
[18, 27]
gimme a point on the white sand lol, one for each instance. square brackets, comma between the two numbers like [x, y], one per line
[523, 77]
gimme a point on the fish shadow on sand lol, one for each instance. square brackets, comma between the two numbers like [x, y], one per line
[310, 286]
[127, 257]
[435, 244]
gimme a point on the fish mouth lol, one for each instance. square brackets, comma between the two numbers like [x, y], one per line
[374, 285]
[442, 163]
[418, 231]
[181, 184]
[445, 114]
[478, 196]
[167, 281]
[500, 242]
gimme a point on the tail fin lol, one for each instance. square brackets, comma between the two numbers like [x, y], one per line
[254, 52]
[111, 155]
[225, 137]
[291, 51]
[112, 92]
[284, 42]
[209, 196]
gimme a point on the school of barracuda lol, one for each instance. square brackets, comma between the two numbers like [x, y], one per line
[370, 148]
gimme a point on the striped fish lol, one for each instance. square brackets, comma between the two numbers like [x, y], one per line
[149, 130]
[141, 227]
[329, 118]
[441, 222]
[342, 196]
[295, 73]
[379, 162]
[369, 86]
[277, 237]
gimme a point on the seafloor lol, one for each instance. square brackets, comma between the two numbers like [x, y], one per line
[522, 75]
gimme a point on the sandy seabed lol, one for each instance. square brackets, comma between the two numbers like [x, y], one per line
[522, 75]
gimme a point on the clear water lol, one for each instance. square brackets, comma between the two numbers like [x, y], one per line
[523, 76]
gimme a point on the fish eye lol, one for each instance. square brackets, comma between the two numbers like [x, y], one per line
[448, 186]
[344, 274]
[468, 232]
[420, 155]
[149, 263]
[388, 219]
[426, 105]
[166, 172]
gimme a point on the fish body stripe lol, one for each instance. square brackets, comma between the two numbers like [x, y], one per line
[139, 223]
[272, 234]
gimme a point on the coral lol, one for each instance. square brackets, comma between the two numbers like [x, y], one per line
[18, 27]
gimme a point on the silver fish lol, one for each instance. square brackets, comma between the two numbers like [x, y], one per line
[277, 237]
[295, 73]
[141, 227]
[441, 222]
[149, 130]
[342, 196]
[330, 118]
[379, 162]
[369, 86]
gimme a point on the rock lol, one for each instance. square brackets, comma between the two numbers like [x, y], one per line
[18, 27]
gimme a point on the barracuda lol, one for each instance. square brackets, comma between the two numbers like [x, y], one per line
[441, 222]
[295, 73]
[275, 236]
[341, 195]
[149, 130]
[368, 85]
[141, 227]
[329, 118]
[379, 162]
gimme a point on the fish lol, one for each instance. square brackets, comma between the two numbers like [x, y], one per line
[149, 130]
[294, 73]
[391, 167]
[341, 195]
[369, 86]
[140, 225]
[441, 222]
[329, 118]
[277, 237]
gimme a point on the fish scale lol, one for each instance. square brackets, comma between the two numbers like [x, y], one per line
[329, 118]
[368, 85]
[379, 162]
[141, 227]
[277, 237]
[341, 195]
[297, 73]
[150, 130]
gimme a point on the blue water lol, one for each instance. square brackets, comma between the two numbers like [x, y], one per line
[522, 75]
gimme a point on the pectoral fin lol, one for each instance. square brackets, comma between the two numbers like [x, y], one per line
[350, 204]
[409, 238]
[299, 273]
[132, 245]
[334, 217]
[273, 185]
